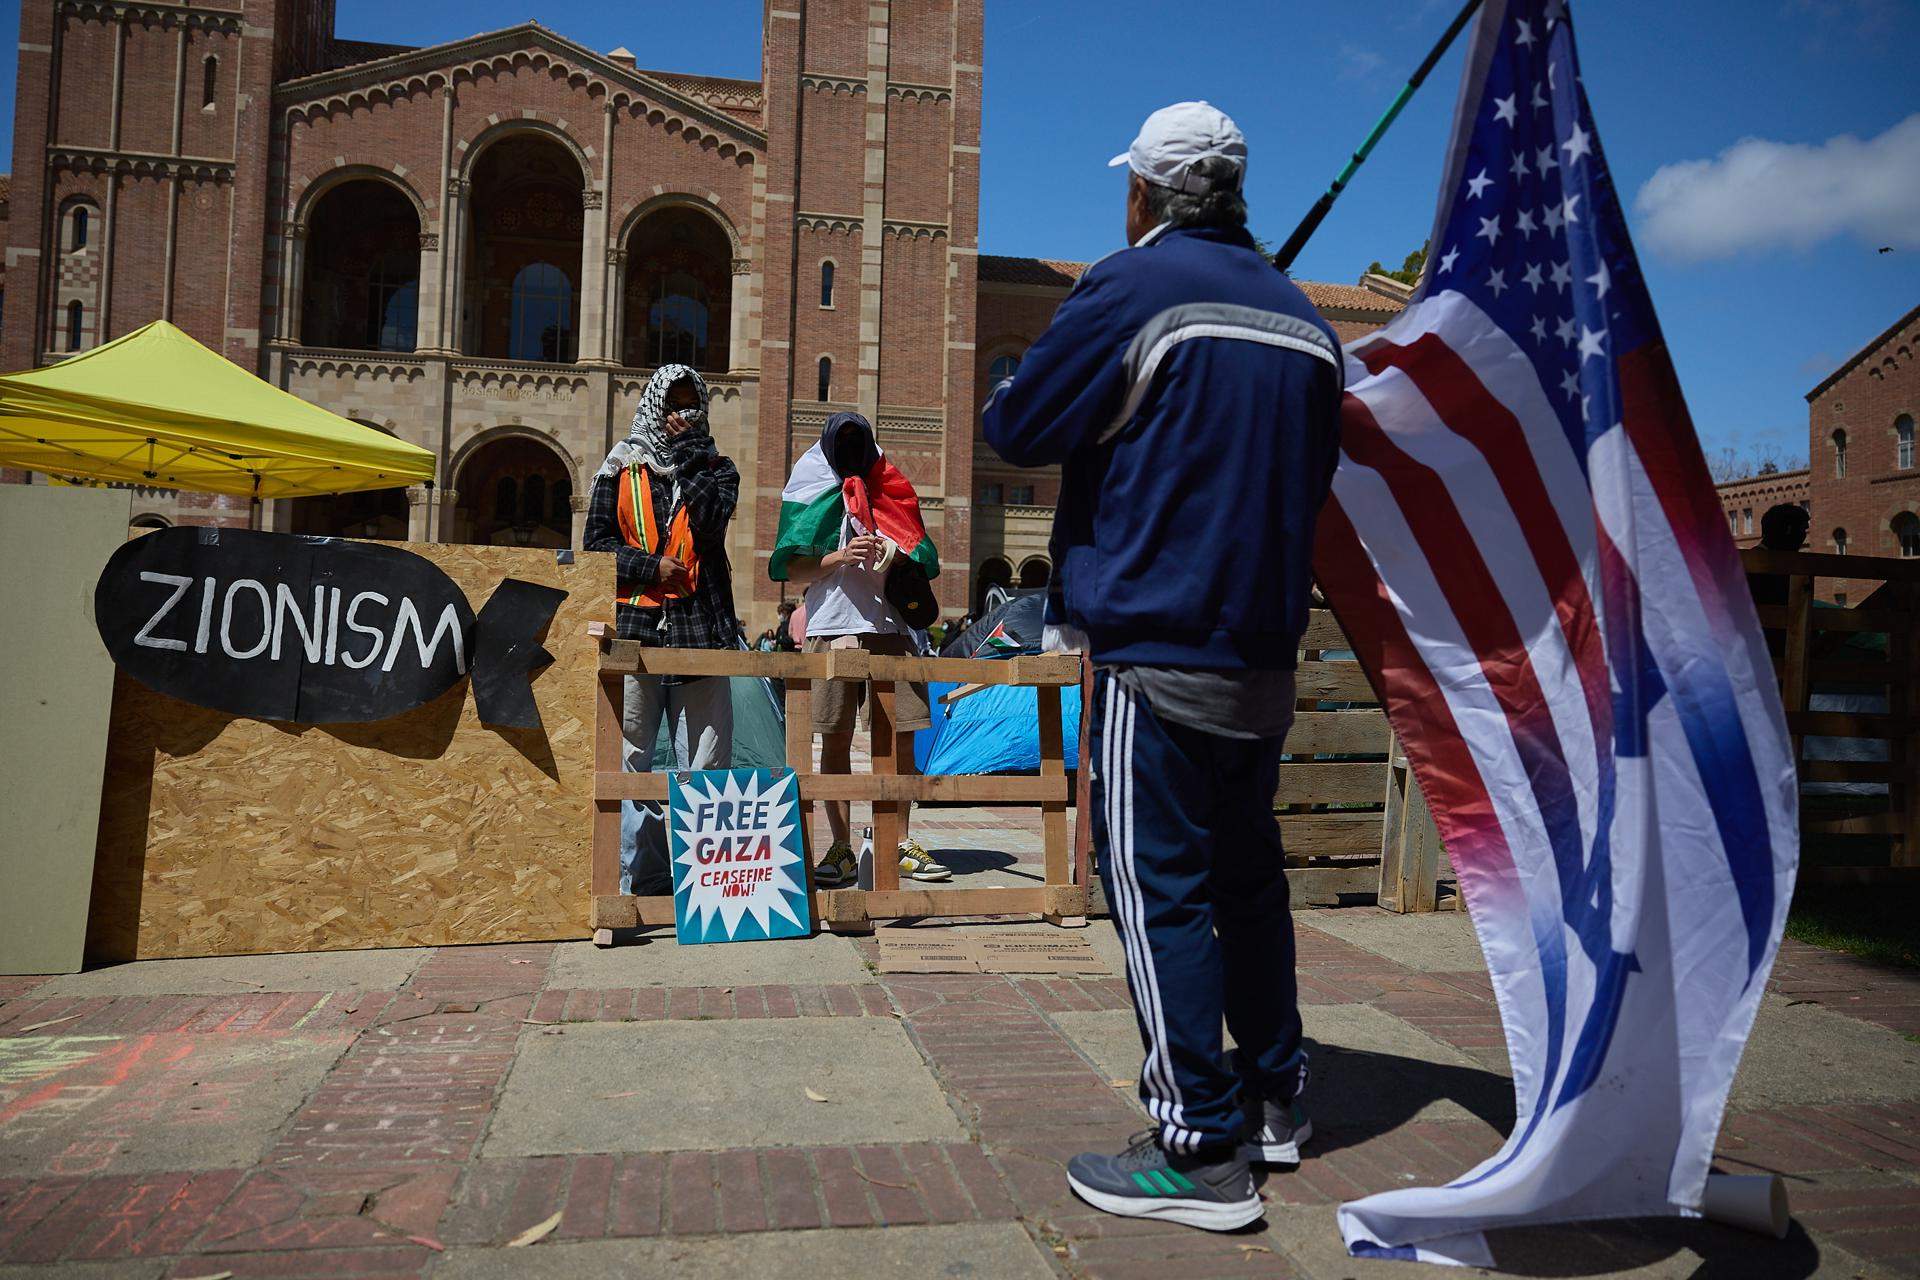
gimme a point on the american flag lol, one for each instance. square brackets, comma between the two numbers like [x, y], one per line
[1526, 549]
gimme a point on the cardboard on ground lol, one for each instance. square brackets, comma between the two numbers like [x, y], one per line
[904, 951]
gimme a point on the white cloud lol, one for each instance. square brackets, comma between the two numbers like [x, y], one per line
[1357, 62]
[1760, 194]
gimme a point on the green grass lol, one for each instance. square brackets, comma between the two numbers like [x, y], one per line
[1878, 924]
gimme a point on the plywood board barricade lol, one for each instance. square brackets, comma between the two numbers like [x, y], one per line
[226, 836]
[54, 699]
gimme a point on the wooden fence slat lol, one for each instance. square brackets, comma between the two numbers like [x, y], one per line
[1822, 565]
[1907, 855]
[1850, 771]
[1774, 615]
[1323, 632]
[630, 656]
[1332, 682]
[1355, 832]
[1362, 782]
[1343, 733]
[1325, 886]
[983, 789]
[1849, 724]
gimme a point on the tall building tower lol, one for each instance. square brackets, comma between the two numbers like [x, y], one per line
[870, 221]
[141, 193]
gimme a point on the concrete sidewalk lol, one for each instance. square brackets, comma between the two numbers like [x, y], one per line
[768, 1108]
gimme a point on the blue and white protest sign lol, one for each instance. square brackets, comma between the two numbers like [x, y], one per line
[739, 869]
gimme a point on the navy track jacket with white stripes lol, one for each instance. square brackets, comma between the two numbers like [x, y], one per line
[1192, 394]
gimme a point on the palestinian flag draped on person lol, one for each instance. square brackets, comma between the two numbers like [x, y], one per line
[819, 496]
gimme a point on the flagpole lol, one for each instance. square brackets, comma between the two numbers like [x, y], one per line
[1311, 223]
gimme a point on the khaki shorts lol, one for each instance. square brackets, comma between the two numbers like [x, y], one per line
[836, 703]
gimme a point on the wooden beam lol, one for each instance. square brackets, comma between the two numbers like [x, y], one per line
[1056, 844]
[608, 746]
[1332, 682]
[1327, 886]
[963, 789]
[1871, 824]
[1889, 620]
[1849, 724]
[1323, 632]
[1850, 771]
[1331, 833]
[630, 657]
[1339, 733]
[1328, 783]
[1823, 565]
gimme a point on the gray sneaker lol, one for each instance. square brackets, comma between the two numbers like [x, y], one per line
[1145, 1182]
[1275, 1130]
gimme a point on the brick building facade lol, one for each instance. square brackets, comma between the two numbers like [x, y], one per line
[483, 247]
[1861, 487]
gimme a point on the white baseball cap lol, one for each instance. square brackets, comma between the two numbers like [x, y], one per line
[1176, 136]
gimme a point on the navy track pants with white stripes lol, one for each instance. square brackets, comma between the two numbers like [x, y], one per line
[1196, 880]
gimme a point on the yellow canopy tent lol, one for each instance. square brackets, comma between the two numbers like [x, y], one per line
[157, 408]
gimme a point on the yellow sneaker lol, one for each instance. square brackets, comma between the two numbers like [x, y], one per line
[838, 869]
[917, 864]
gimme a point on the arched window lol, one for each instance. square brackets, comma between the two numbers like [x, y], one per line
[80, 228]
[1839, 455]
[393, 302]
[826, 284]
[1906, 534]
[209, 79]
[1840, 542]
[1003, 367]
[826, 379]
[541, 315]
[1903, 441]
[679, 320]
[74, 312]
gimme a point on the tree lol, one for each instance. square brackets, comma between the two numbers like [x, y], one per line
[1759, 459]
[1410, 269]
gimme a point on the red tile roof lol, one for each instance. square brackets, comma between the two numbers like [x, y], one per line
[1049, 272]
[1349, 297]
[995, 269]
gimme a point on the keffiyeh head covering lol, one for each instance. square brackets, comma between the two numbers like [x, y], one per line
[647, 439]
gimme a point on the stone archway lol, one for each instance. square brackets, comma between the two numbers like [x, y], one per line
[521, 294]
[677, 297]
[1035, 571]
[994, 572]
[515, 490]
[361, 285]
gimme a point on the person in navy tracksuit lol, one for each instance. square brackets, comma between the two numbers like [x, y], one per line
[1191, 394]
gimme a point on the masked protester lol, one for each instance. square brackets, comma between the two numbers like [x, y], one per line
[1190, 394]
[846, 515]
[661, 503]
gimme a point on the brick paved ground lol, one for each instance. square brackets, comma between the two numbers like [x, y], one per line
[355, 1132]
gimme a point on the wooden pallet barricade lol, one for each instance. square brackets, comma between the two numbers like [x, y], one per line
[1810, 651]
[1335, 776]
[1062, 899]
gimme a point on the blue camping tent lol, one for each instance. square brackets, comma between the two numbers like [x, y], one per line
[996, 730]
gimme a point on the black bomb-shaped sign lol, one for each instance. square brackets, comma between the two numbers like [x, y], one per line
[315, 630]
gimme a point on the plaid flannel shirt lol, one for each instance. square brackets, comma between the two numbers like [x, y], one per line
[709, 489]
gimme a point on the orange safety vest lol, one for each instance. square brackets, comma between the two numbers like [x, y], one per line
[641, 528]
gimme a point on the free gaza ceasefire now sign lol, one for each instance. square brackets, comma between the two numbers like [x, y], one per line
[315, 630]
[739, 871]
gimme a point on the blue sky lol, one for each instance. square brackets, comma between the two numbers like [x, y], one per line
[1759, 237]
